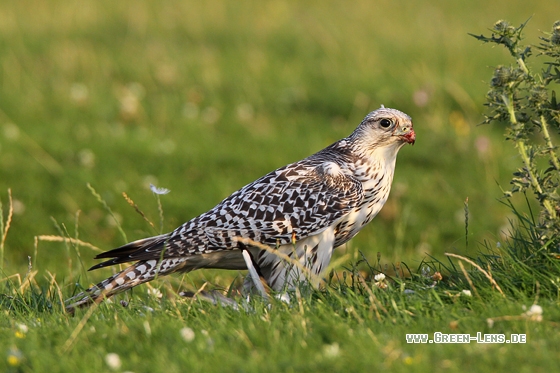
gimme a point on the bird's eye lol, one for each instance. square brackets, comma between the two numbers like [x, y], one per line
[385, 123]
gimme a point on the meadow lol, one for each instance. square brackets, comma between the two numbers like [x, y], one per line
[103, 98]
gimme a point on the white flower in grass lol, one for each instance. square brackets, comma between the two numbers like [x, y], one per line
[535, 310]
[113, 361]
[86, 158]
[157, 190]
[332, 350]
[380, 281]
[22, 328]
[467, 293]
[155, 292]
[18, 206]
[534, 313]
[187, 334]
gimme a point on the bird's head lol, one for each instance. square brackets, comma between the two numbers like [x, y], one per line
[384, 128]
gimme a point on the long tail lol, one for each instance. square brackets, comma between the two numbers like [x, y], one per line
[144, 249]
[140, 272]
[130, 277]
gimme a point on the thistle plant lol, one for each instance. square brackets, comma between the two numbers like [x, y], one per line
[521, 97]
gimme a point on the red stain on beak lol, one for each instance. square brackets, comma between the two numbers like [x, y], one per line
[406, 134]
[410, 137]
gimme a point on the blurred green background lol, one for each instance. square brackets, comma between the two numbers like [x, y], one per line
[202, 97]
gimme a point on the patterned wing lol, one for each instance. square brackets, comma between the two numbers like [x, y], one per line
[280, 207]
[292, 202]
[295, 201]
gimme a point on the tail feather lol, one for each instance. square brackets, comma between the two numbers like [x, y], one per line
[132, 251]
[130, 277]
[149, 265]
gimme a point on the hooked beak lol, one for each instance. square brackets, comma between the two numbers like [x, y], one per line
[407, 134]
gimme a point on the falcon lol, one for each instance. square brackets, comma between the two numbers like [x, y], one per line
[298, 214]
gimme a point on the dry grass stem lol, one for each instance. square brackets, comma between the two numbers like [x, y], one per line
[313, 278]
[375, 304]
[135, 206]
[471, 284]
[487, 274]
[52, 238]
[70, 341]
[5, 227]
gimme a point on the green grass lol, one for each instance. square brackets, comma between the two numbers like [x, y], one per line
[339, 329]
[204, 97]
